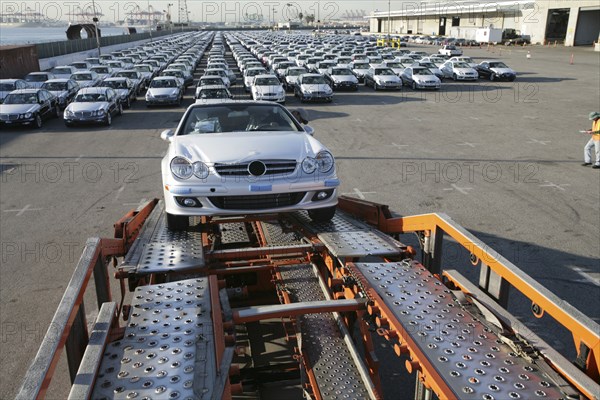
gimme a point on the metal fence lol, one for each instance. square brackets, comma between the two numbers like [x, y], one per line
[54, 49]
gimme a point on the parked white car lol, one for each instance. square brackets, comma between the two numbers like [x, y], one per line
[267, 87]
[450, 50]
[464, 59]
[420, 78]
[459, 71]
[245, 157]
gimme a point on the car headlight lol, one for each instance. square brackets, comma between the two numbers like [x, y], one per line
[149, 95]
[182, 168]
[27, 115]
[201, 170]
[307, 91]
[328, 90]
[309, 165]
[69, 113]
[100, 112]
[324, 161]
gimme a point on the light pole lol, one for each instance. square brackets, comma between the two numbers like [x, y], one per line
[95, 19]
[150, 20]
[169, 16]
[389, 26]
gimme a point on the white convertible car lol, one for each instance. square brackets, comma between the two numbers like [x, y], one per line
[245, 157]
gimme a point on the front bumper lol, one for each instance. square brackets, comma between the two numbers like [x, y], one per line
[389, 85]
[162, 100]
[249, 198]
[426, 85]
[466, 77]
[345, 85]
[276, 98]
[316, 96]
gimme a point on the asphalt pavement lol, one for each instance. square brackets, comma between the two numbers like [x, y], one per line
[500, 158]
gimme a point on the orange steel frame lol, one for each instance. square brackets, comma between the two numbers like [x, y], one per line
[379, 216]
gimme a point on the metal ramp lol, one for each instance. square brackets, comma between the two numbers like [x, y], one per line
[167, 351]
[447, 340]
[330, 360]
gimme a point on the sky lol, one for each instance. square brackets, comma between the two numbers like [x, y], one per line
[199, 10]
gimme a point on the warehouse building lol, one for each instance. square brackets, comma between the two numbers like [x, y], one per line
[571, 23]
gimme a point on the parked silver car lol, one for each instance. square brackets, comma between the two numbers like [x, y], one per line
[8, 85]
[37, 79]
[65, 90]
[164, 90]
[28, 107]
[93, 105]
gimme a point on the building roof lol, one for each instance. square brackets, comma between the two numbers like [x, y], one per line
[411, 9]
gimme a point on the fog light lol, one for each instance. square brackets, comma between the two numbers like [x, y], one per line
[322, 195]
[189, 202]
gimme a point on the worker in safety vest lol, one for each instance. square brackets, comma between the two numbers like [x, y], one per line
[594, 142]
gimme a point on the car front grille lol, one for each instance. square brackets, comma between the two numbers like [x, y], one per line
[257, 202]
[274, 167]
[9, 117]
[83, 114]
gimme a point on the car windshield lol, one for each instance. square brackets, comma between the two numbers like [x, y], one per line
[143, 68]
[5, 87]
[211, 81]
[115, 84]
[394, 65]
[163, 83]
[341, 71]
[21, 98]
[100, 70]
[384, 71]
[361, 65]
[267, 81]
[237, 118]
[178, 74]
[131, 75]
[313, 80]
[498, 65]
[36, 78]
[81, 77]
[428, 65]
[90, 97]
[295, 72]
[55, 86]
[461, 65]
[421, 71]
[214, 94]
[62, 71]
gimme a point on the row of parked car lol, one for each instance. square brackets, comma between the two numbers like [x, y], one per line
[97, 89]
[272, 64]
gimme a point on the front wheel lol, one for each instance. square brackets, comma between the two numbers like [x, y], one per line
[454, 77]
[177, 222]
[120, 109]
[57, 112]
[37, 122]
[322, 214]
[492, 77]
[108, 119]
[414, 86]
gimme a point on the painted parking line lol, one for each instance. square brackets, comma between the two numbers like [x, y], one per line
[472, 145]
[536, 141]
[141, 203]
[588, 276]
[463, 190]
[554, 185]
[360, 194]
[22, 211]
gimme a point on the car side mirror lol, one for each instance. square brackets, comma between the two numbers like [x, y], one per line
[167, 134]
[309, 130]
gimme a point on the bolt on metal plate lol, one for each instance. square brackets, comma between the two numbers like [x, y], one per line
[167, 351]
[465, 353]
[170, 251]
[359, 244]
[322, 342]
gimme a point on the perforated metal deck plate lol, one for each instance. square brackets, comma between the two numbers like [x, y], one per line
[276, 236]
[471, 359]
[167, 351]
[234, 233]
[169, 251]
[358, 244]
[332, 364]
[339, 223]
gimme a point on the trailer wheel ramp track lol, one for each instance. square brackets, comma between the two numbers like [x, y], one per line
[321, 340]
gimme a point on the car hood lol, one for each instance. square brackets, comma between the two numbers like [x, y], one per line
[316, 88]
[268, 89]
[74, 107]
[83, 84]
[213, 148]
[360, 71]
[59, 93]
[291, 79]
[387, 78]
[501, 71]
[18, 108]
[465, 70]
[122, 92]
[424, 78]
[163, 91]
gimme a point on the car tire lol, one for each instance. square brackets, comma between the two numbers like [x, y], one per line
[492, 77]
[177, 222]
[322, 214]
[57, 112]
[108, 119]
[128, 103]
[37, 121]
[120, 109]
[454, 77]
[414, 86]
[374, 86]
[512, 79]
